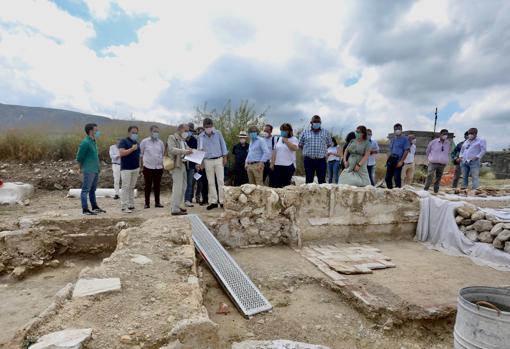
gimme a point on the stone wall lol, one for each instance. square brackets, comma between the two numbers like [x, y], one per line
[261, 215]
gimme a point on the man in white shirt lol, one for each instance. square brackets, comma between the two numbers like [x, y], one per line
[374, 149]
[115, 157]
[409, 166]
[152, 150]
[473, 149]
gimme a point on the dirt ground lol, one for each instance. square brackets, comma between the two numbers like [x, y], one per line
[25, 299]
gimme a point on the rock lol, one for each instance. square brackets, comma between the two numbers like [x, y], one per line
[26, 202]
[69, 264]
[459, 219]
[497, 243]
[53, 263]
[126, 339]
[121, 225]
[462, 228]
[58, 186]
[243, 199]
[19, 272]
[66, 339]
[504, 235]
[26, 222]
[483, 225]
[485, 236]
[507, 246]
[140, 259]
[478, 215]
[498, 228]
[466, 211]
[506, 226]
[248, 188]
[470, 227]
[472, 235]
[2, 267]
[88, 287]
[245, 222]
[466, 221]
[275, 344]
[491, 217]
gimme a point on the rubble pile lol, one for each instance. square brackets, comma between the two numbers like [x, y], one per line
[480, 226]
[480, 192]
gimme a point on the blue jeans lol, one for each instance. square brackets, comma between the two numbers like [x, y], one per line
[371, 172]
[333, 169]
[88, 188]
[472, 168]
[313, 166]
[188, 195]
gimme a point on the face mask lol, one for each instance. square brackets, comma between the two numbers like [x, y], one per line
[369, 137]
[155, 135]
[443, 137]
[184, 134]
[471, 136]
[316, 125]
[134, 137]
[208, 130]
[190, 133]
[398, 132]
[358, 134]
[97, 134]
[253, 135]
[242, 140]
[413, 141]
[264, 134]
[284, 134]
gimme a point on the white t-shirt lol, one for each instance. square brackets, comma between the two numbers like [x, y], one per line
[410, 156]
[333, 157]
[285, 156]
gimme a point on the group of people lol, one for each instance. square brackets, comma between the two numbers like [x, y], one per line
[262, 158]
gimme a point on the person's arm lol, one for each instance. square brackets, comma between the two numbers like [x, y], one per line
[172, 149]
[390, 149]
[112, 153]
[290, 145]
[224, 150]
[429, 147]
[266, 156]
[346, 152]
[363, 160]
[301, 143]
[273, 159]
[82, 152]
[407, 147]
[126, 151]
[483, 149]
[375, 149]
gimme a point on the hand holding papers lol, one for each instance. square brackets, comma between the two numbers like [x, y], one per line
[197, 156]
[197, 176]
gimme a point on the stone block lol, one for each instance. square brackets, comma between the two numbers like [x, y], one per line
[472, 235]
[497, 243]
[140, 259]
[498, 228]
[466, 221]
[486, 237]
[465, 211]
[483, 225]
[478, 215]
[66, 339]
[504, 235]
[89, 287]
[459, 219]
[507, 246]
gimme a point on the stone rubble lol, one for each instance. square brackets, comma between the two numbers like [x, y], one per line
[476, 225]
[276, 344]
[89, 287]
[66, 339]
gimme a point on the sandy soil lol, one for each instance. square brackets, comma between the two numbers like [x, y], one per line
[305, 309]
[25, 299]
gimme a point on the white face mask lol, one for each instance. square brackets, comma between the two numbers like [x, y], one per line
[471, 137]
[208, 130]
[398, 132]
[443, 137]
[242, 140]
[184, 134]
[413, 141]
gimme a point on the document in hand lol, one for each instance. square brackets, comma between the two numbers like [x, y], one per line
[197, 156]
[197, 176]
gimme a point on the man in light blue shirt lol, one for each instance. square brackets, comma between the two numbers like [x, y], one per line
[399, 148]
[258, 154]
[212, 143]
[473, 149]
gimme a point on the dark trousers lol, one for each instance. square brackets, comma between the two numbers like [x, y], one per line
[152, 179]
[267, 171]
[456, 176]
[437, 170]
[370, 170]
[202, 193]
[282, 176]
[240, 175]
[315, 166]
[392, 171]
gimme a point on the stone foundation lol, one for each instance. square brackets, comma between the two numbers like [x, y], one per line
[257, 215]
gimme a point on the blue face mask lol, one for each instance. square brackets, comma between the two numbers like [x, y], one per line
[190, 133]
[253, 135]
[134, 137]
[284, 134]
[97, 134]
[155, 135]
[316, 125]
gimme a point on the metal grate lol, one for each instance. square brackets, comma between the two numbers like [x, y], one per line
[245, 295]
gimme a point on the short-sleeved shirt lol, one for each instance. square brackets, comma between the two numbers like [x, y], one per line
[240, 153]
[374, 147]
[285, 156]
[152, 152]
[399, 145]
[333, 157]
[410, 156]
[131, 161]
[315, 143]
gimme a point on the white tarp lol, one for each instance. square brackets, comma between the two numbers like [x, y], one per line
[17, 192]
[437, 230]
[100, 193]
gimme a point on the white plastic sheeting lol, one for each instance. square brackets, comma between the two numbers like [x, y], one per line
[17, 192]
[100, 193]
[437, 230]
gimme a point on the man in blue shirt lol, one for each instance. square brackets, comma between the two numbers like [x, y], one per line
[129, 168]
[212, 143]
[315, 142]
[398, 150]
[258, 154]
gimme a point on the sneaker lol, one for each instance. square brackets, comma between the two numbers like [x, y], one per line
[98, 210]
[116, 197]
[89, 212]
[204, 203]
[183, 210]
[127, 210]
[146, 206]
[221, 205]
[188, 204]
[212, 206]
[179, 213]
[131, 208]
[159, 206]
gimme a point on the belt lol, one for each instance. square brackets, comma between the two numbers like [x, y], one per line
[310, 157]
[254, 162]
[214, 158]
[115, 163]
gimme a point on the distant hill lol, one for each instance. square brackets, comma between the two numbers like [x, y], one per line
[58, 120]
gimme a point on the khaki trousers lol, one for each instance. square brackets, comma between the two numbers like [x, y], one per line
[255, 173]
[179, 182]
[408, 173]
[214, 171]
[127, 194]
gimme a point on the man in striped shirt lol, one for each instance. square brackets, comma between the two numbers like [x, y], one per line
[315, 142]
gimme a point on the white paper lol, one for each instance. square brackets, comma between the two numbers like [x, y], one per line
[197, 176]
[197, 156]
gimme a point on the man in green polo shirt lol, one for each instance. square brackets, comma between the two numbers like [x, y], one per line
[88, 159]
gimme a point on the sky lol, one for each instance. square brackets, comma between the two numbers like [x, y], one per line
[353, 62]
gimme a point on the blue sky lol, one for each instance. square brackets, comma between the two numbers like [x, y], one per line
[352, 62]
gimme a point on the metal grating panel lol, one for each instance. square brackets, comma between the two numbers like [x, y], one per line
[245, 295]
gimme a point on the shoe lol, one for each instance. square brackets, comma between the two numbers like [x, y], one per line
[178, 213]
[159, 206]
[211, 206]
[221, 205]
[98, 210]
[183, 210]
[127, 210]
[131, 208]
[116, 197]
[146, 206]
[203, 203]
[188, 204]
[89, 212]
